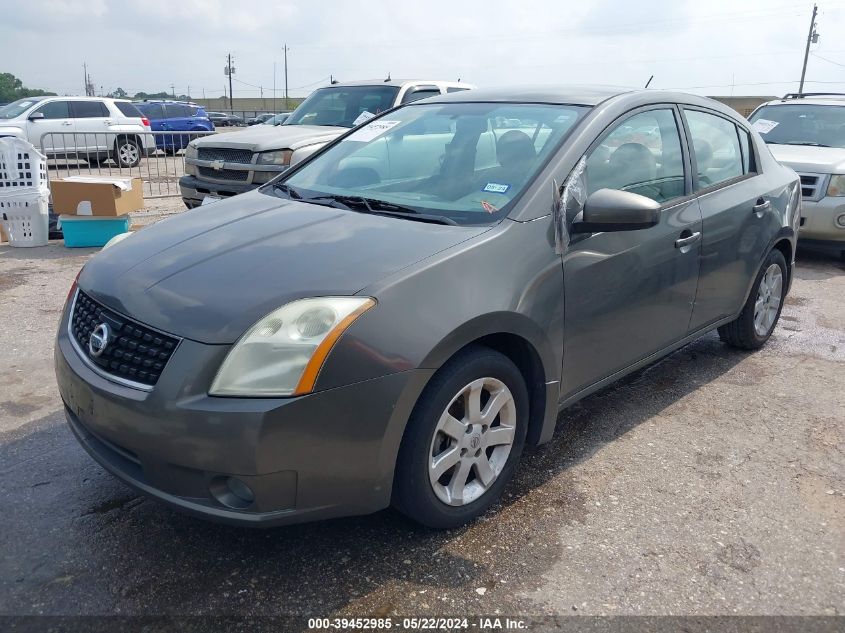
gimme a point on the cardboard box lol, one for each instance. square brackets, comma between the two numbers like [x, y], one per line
[3, 236]
[102, 196]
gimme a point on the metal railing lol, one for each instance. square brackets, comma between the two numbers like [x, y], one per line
[157, 158]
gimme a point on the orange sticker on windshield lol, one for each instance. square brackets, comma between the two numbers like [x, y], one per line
[489, 208]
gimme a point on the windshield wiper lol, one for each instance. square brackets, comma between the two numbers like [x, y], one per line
[293, 194]
[809, 143]
[380, 207]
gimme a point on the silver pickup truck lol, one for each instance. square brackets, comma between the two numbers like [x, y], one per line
[224, 165]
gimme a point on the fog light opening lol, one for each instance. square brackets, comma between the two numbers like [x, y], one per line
[231, 492]
[840, 220]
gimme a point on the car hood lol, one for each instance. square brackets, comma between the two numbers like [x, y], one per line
[807, 158]
[208, 274]
[266, 137]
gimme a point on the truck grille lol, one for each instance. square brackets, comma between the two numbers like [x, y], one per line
[134, 352]
[812, 186]
[224, 174]
[226, 154]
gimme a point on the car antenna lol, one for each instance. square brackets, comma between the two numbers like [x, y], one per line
[388, 77]
[648, 82]
[332, 80]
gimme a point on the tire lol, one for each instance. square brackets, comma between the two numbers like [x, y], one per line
[127, 152]
[461, 440]
[755, 324]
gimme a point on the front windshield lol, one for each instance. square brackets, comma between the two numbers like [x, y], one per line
[16, 108]
[464, 162]
[341, 106]
[277, 119]
[801, 124]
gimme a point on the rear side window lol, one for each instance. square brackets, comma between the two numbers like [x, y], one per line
[55, 110]
[642, 154]
[127, 109]
[716, 148]
[175, 111]
[455, 89]
[88, 109]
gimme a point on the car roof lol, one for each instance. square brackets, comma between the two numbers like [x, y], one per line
[819, 98]
[397, 82]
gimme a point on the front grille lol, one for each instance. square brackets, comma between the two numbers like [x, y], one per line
[812, 186]
[230, 155]
[224, 174]
[134, 352]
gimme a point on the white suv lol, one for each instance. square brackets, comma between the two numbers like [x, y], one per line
[807, 133]
[91, 128]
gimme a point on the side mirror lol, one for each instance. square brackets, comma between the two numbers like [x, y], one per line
[35, 116]
[614, 210]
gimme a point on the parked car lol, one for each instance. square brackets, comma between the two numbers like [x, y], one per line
[174, 116]
[421, 300]
[261, 118]
[223, 119]
[224, 167]
[277, 119]
[92, 128]
[807, 133]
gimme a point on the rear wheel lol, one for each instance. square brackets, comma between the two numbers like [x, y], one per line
[463, 441]
[755, 324]
[127, 152]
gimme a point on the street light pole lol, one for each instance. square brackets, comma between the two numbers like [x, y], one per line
[812, 36]
[287, 107]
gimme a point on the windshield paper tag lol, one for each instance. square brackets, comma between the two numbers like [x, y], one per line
[764, 126]
[363, 117]
[372, 130]
[495, 187]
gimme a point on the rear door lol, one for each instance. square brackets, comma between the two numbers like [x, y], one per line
[92, 120]
[53, 133]
[629, 294]
[737, 213]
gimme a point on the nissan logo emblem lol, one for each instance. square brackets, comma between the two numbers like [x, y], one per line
[99, 340]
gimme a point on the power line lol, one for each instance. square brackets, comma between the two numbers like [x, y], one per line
[827, 60]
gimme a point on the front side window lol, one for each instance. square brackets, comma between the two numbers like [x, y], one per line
[55, 110]
[461, 161]
[718, 156]
[175, 111]
[801, 124]
[641, 155]
[343, 105]
[88, 109]
[152, 111]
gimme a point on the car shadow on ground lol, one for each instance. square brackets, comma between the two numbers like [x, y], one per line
[122, 551]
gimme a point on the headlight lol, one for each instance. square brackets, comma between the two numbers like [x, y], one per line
[280, 158]
[191, 151]
[836, 188]
[282, 353]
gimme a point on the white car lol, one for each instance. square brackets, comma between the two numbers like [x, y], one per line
[234, 163]
[91, 128]
[807, 133]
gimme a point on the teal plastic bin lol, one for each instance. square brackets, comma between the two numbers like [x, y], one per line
[81, 231]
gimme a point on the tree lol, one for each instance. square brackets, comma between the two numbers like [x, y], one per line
[12, 88]
[120, 93]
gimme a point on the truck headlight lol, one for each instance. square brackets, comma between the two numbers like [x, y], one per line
[280, 158]
[836, 188]
[282, 354]
[191, 151]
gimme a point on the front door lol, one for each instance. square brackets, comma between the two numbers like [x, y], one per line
[54, 133]
[629, 294]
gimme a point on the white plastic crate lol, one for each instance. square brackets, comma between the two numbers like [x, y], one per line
[21, 166]
[25, 217]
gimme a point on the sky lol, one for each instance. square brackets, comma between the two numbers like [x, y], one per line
[711, 47]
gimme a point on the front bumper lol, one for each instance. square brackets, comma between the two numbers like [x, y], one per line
[195, 190]
[818, 220]
[323, 455]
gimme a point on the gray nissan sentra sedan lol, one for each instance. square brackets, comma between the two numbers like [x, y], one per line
[393, 320]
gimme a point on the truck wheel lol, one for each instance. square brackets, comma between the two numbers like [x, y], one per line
[127, 152]
[463, 440]
[755, 324]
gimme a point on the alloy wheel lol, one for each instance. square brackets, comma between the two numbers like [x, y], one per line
[768, 300]
[128, 153]
[472, 441]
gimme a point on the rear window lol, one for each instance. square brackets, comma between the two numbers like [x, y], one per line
[127, 109]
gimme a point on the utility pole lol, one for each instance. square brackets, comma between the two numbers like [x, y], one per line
[173, 90]
[229, 70]
[189, 92]
[274, 88]
[85, 77]
[286, 49]
[812, 37]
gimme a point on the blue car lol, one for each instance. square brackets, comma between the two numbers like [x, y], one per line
[174, 116]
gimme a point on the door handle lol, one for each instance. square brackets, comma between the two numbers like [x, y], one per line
[108, 121]
[761, 206]
[66, 123]
[688, 240]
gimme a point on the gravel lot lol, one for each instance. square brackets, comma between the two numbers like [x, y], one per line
[710, 483]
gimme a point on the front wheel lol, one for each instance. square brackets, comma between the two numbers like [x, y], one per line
[755, 324]
[463, 441]
[127, 152]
